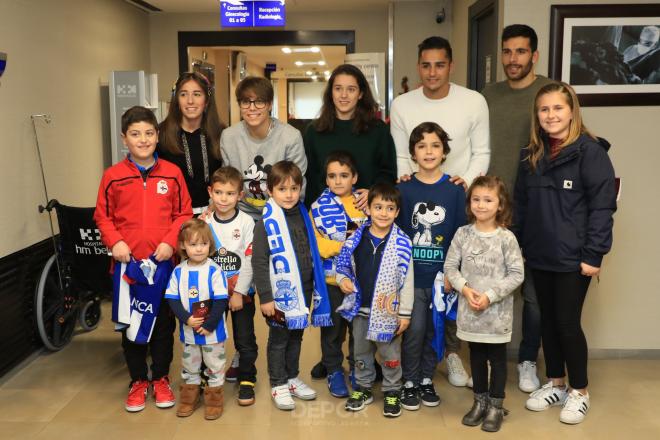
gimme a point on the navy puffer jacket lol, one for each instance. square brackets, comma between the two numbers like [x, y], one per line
[563, 209]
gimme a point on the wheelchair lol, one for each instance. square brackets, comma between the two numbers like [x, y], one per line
[75, 278]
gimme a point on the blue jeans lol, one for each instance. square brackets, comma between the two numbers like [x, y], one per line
[418, 359]
[531, 321]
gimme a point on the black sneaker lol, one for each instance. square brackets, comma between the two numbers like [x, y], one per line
[410, 397]
[319, 371]
[392, 407]
[428, 395]
[246, 393]
[359, 399]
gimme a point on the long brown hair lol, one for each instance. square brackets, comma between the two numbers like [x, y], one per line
[170, 137]
[365, 111]
[504, 211]
[576, 128]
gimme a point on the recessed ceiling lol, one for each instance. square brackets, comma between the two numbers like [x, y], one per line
[181, 6]
[260, 55]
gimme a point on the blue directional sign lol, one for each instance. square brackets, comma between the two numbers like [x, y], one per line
[248, 13]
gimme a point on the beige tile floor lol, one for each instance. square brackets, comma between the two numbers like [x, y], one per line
[78, 393]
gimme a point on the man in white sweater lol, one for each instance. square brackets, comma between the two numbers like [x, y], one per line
[461, 112]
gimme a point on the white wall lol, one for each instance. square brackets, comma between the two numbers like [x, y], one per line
[414, 21]
[59, 55]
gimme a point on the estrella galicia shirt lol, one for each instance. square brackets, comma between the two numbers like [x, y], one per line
[430, 214]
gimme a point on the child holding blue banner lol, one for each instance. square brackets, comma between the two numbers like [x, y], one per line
[484, 263]
[288, 275]
[197, 295]
[432, 209]
[232, 232]
[375, 273]
[335, 216]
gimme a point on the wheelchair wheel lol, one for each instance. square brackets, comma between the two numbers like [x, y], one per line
[54, 308]
[90, 315]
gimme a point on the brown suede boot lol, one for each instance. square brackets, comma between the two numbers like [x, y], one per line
[188, 399]
[213, 401]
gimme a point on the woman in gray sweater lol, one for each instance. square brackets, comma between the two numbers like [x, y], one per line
[485, 265]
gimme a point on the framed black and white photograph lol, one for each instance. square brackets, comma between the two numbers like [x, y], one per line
[610, 54]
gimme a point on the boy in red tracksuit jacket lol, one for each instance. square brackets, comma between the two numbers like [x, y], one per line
[142, 203]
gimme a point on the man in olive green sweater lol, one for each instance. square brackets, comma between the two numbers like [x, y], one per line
[510, 105]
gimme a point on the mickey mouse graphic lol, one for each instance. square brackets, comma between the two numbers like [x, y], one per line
[426, 214]
[256, 175]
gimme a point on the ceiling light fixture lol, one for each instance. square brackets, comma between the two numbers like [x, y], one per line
[313, 49]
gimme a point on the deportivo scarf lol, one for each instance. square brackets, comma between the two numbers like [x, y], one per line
[331, 220]
[284, 274]
[444, 306]
[394, 265]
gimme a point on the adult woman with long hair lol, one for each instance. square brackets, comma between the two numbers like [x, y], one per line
[564, 201]
[348, 121]
[190, 135]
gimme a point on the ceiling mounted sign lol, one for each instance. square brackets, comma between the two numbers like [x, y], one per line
[257, 13]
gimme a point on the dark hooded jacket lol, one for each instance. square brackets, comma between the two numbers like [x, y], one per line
[563, 209]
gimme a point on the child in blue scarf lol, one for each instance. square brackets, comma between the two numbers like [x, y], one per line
[288, 276]
[375, 273]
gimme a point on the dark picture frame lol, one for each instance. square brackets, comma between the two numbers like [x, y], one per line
[600, 33]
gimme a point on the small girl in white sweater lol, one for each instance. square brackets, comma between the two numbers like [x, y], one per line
[484, 263]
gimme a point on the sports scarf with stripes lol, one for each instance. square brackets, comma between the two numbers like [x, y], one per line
[397, 257]
[284, 273]
[331, 221]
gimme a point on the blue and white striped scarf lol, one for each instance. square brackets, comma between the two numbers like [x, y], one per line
[331, 221]
[397, 257]
[284, 273]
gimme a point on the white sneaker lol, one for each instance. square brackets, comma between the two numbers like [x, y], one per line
[282, 397]
[301, 390]
[527, 379]
[457, 375]
[575, 408]
[545, 397]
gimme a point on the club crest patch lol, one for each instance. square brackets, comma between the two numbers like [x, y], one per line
[162, 187]
[193, 292]
[568, 184]
[285, 296]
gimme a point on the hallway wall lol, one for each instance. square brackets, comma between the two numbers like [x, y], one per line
[59, 57]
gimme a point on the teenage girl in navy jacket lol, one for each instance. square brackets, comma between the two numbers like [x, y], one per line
[564, 201]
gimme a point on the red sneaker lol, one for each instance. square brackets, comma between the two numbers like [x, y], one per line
[137, 396]
[163, 393]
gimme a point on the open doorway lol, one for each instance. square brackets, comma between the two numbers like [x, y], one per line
[307, 66]
[297, 62]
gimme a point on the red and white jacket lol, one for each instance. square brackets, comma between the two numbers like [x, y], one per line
[142, 212]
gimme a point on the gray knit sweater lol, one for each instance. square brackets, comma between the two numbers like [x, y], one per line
[490, 263]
